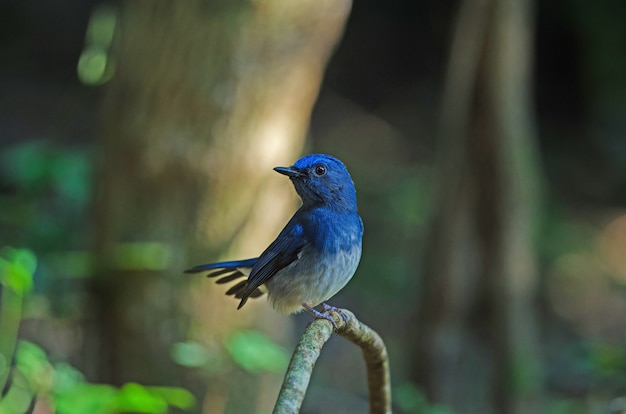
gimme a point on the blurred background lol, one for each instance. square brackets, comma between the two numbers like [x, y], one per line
[486, 142]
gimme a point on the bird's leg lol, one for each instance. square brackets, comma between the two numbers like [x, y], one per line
[330, 309]
[325, 315]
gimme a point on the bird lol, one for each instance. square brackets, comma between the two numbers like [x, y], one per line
[317, 252]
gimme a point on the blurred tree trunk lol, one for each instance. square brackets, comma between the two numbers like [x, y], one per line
[476, 340]
[207, 97]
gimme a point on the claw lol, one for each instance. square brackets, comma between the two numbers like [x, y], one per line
[330, 309]
[326, 314]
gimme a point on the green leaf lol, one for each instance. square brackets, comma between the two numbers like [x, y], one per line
[174, 396]
[136, 398]
[255, 352]
[87, 398]
[16, 400]
[33, 363]
[19, 280]
[410, 398]
[17, 267]
[30, 357]
[190, 354]
[28, 163]
[66, 389]
[66, 377]
[23, 258]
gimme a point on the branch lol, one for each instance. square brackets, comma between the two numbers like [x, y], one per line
[308, 350]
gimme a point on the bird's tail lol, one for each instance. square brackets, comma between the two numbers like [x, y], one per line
[229, 271]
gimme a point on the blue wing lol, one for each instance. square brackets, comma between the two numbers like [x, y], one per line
[281, 253]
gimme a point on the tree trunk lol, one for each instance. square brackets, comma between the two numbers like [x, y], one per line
[476, 323]
[206, 99]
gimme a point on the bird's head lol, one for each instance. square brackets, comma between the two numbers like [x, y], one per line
[321, 179]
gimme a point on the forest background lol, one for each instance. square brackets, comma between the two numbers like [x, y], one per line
[486, 142]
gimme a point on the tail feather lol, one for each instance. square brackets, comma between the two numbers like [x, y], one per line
[226, 272]
[237, 290]
[229, 278]
[223, 265]
[220, 272]
[257, 293]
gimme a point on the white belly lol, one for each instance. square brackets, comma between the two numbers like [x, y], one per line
[312, 279]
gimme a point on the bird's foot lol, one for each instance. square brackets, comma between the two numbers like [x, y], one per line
[330, 309]
[326, 313]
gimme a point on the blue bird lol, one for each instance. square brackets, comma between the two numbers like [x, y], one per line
[317, 252]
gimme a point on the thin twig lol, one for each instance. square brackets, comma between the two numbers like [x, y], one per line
[308, 350]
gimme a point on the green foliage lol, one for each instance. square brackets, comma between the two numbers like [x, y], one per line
[565, 407]
[52, 188]
[60, 385]
[561, 234]
[411, 399]
[250, 350]
[70, 264]
[36, 165]
[96, 65]
[133, 256]
[255, 352]
[175, 397]
[66, 389]
[86, 398]
[191, 354]
[608, 362]
[32, 363]
[526, 376]
[16, 280]
[397, 217]
[16, 269]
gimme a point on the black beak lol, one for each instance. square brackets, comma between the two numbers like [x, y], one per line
[290, 172]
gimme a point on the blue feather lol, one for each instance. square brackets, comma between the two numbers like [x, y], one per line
[317, 252]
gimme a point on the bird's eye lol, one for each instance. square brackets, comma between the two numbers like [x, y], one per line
[320, 170]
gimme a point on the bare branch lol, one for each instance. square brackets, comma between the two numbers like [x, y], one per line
[308, 350]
